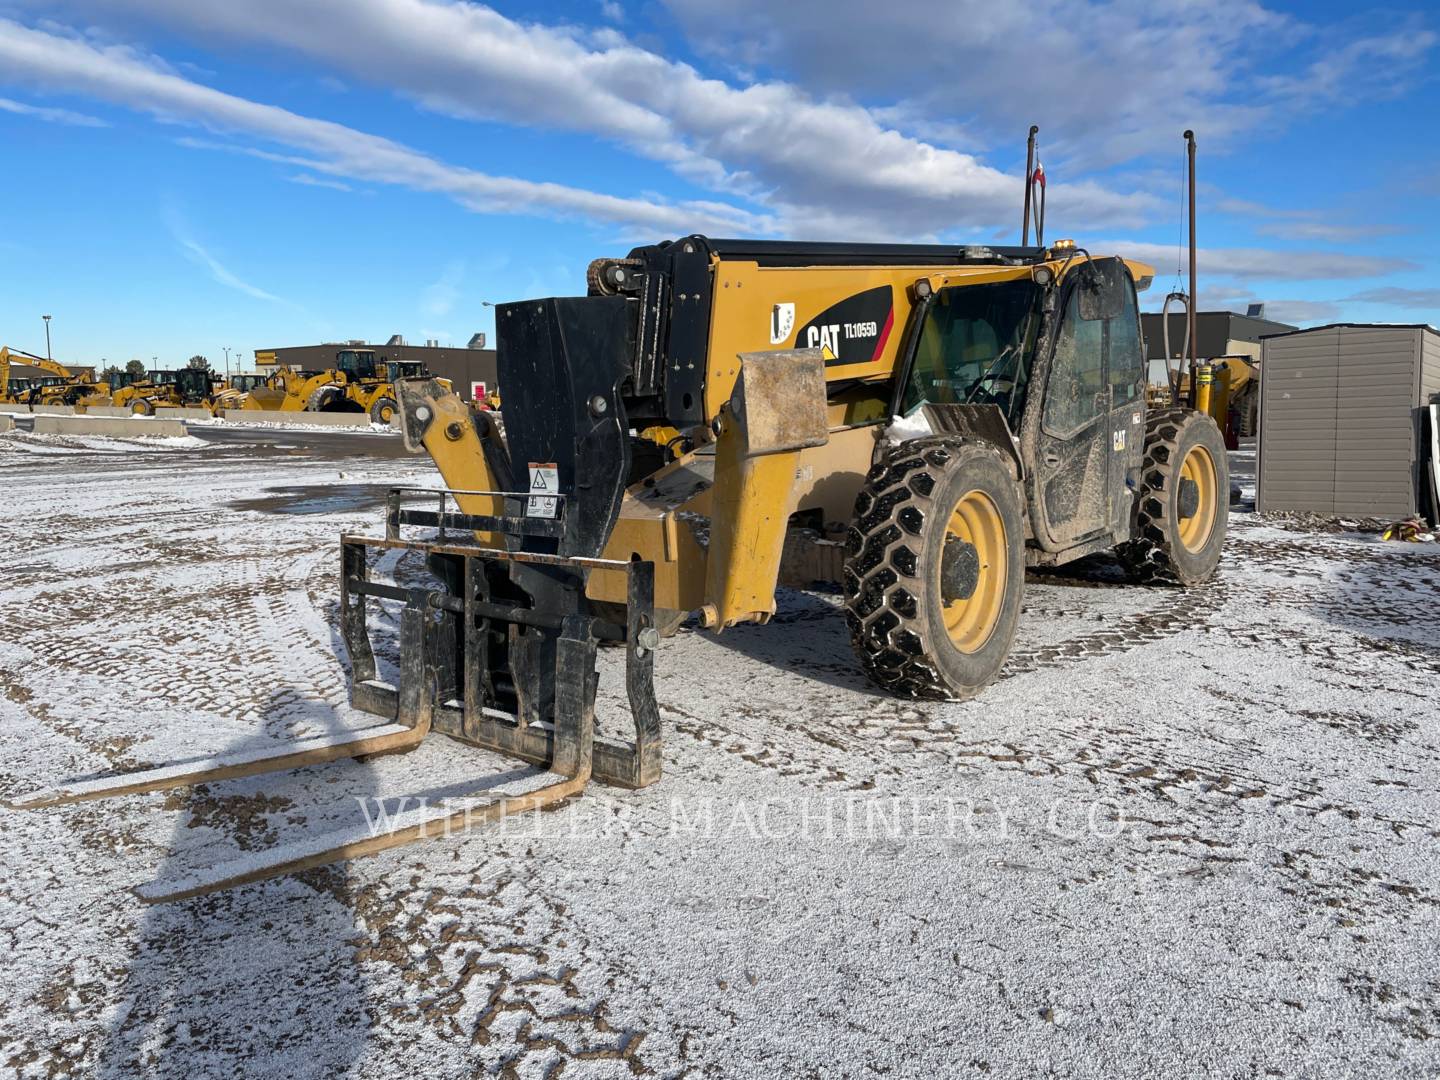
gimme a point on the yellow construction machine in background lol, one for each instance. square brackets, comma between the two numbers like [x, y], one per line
[1227, 388]
[60, 386]
[358, 383]
[144, 394]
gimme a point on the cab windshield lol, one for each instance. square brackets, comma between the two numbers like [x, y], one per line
[402, 369]
[193, 382]
[975, 347]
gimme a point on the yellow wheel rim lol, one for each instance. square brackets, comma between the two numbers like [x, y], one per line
[1199, 467]
[977, 521]
[386, 413]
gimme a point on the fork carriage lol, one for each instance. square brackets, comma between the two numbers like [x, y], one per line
[503, 656]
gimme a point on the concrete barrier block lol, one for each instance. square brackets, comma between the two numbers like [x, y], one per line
[176, 412]
[7, 422]
[114, 427]
[54, 410]
[318, 419]
[108, 410]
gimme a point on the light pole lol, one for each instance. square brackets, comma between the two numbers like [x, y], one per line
[227, 362]
[47, 337]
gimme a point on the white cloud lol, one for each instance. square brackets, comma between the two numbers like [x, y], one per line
[1394, 296]
[1325, 231]
[123, 76]
[1300, 312]
[1252, 263]
[440, 295]
[55, 116]
[1300, 223]
[813, 162]
[316, 181]
[1107, 80]
[197, 254]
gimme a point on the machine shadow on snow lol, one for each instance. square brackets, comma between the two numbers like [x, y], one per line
[816, 646]
[221, 977]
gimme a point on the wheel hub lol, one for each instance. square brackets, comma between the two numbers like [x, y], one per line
[959, 570]
[1188, 498]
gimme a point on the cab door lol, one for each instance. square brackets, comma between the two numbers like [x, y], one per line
[1125, 374]
[1071, 491]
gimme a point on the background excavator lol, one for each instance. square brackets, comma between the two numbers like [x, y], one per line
[60, 386]
[712, 420]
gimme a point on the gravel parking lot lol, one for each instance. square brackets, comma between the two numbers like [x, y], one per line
[1187, 834]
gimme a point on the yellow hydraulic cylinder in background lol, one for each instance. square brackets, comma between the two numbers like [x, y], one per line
[1204, 383]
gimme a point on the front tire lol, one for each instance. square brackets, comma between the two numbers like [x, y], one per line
[382, 410]
[1184, 503]
[143, 407]
[935, 571]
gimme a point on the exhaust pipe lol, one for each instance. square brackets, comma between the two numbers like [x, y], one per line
[1029, 185]
[1193, 358]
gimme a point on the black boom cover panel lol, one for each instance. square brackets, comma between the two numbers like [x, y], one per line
[561, 364]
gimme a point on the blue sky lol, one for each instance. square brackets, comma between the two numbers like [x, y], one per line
[184, 176]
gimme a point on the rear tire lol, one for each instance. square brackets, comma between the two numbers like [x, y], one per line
[1184, 501]
[935, 568]
[143, 407]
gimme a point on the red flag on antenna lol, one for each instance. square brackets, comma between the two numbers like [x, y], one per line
[1040, 174]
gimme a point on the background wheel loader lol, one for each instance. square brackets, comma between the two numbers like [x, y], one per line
[358, 383]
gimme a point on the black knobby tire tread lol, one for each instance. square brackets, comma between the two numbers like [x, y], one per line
[888, 629]
[378, 404]
[1150, 555]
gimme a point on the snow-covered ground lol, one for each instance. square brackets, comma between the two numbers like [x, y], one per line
[1188, 834]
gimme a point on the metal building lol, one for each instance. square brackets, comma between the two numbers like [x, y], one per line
[1343, 422]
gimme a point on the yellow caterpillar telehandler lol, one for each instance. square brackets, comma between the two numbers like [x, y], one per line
[919, 423]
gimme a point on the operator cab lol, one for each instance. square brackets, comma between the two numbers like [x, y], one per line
[192, 384]
[356, 363]
[404, 369]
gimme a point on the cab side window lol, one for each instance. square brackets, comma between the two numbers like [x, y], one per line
[1127, 361]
